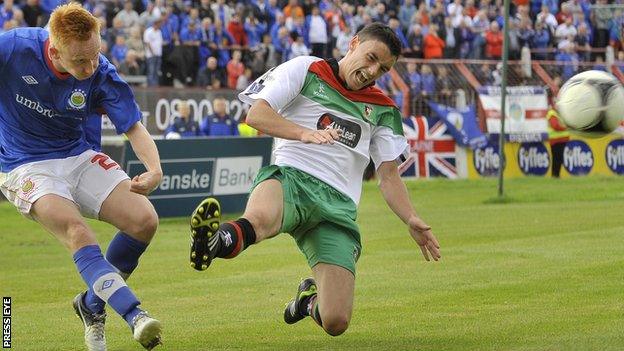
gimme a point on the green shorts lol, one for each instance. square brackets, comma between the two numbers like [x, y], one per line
[320, 218]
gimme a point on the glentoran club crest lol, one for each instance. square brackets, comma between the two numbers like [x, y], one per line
[77, 99]
[367, 111]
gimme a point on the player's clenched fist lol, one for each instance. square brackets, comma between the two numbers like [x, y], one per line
[145, 183]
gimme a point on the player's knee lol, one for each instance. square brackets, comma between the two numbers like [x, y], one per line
[335, 325]
[262, 223]
[144, 225]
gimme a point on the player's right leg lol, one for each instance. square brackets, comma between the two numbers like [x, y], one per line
[328, 299]
[334, 305]
[262, 219]
[62, 218]
[38, 183]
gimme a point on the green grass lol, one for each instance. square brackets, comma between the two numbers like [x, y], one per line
[541, 270]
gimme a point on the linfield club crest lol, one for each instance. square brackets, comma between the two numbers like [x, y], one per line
[27, 186]
[78, 99]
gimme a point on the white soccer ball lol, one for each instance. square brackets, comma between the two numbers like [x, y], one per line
[591, 103]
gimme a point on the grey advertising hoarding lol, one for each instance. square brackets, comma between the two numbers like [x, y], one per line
[196, 168]
[160, 106]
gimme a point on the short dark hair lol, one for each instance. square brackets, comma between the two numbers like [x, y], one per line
[383, 33]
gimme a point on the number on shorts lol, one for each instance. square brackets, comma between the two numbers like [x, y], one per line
[104, 161]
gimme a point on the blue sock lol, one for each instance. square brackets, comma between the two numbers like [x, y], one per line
[102, 278]
[123, 253]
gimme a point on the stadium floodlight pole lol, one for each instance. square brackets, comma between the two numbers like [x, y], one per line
[501, 138]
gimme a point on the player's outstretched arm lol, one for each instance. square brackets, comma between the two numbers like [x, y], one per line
[265, 119]
[395, 193]
[145, 149]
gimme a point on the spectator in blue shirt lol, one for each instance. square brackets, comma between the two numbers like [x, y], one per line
[119, 51]
[428, 80]
[183, 125]
[264, 11]
[569, 59]
[407, 11]
[540, 40]
[188, 63]
[191, 35]
[219, 42]
[395, 25]
[298, 26]
[219, 123]
[170, 27]
[282, 46]
[414, 79]
[193, 17]
[255, 30]
[6, 12]
[525, 33]
[274, 29]
[553, 5]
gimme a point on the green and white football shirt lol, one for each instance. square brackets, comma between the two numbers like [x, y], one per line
[306, 91]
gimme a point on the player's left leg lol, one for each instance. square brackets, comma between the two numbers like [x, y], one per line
[137, 228]
[135, 217]
[261, 220]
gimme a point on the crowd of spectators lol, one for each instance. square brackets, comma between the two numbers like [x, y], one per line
[225, 44]
[217, 44]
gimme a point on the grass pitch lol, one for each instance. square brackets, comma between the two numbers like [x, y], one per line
[541, 270]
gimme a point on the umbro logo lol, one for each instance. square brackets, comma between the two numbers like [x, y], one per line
[30, 80]
[107, 284]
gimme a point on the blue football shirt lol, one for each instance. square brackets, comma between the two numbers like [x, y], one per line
[45, 114]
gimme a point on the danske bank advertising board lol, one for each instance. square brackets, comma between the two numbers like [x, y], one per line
[197, 168]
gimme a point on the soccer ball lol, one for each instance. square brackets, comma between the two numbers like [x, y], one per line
[591, 103]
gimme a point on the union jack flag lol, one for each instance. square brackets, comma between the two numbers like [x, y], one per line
[432, 148]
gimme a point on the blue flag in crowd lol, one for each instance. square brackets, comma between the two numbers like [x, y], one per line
[462, 123]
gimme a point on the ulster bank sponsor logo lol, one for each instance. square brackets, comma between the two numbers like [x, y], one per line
[351, 131]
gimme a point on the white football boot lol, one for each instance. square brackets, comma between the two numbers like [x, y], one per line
[94, 324]
[146, 330]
